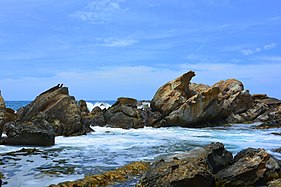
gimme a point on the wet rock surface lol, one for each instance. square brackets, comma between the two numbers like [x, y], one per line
[109, 178]
[38, 132]
[212, 166]
[194, 168]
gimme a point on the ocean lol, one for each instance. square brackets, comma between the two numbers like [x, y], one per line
[73, 158]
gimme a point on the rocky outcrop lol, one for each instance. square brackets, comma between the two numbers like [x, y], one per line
[252, 167]
[195, 105]
[39, 132]
[95, 118]
[6, 114]
[109, 178]
[212, 166]
[2, 114]
[195, 168]
[59, 109]
[124, 114]
[182, 103]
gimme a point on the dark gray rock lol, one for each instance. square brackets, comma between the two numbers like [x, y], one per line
[39, 132]
[194, 168]
[252, 167]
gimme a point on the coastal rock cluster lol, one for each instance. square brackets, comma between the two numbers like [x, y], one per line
[177, 103]
[208, 166]
[53, 113]
[212, 166]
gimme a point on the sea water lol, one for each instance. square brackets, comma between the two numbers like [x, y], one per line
[73, 158]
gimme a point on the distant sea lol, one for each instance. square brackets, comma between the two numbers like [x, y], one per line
[15, 105]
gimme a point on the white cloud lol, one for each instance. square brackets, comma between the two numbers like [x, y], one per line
[269, 46]
[116, 42]
[247, 52]
[99, 11]
[142, 82]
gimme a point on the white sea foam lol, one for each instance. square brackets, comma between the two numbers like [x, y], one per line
[107, 148]
[102, 105]
[144, 105]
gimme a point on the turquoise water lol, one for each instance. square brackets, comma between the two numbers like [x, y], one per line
[108, 148]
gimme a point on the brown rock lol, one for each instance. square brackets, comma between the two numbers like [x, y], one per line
[252, 167]
[127, 101]
[2, 114]
[172, 94]
[59, 109]
[95, 118]
[194, 168]
[83, 107]
[124, 114]
[195, 105]
[275, 183]
[109, 178]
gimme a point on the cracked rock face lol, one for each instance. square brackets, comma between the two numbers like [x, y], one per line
[194, 168]
[2, 114]
[58, 108]
[195, 105]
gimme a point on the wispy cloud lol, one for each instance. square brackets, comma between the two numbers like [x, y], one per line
[105, 83]
[247, 52]
[116, 42]
[99, 11]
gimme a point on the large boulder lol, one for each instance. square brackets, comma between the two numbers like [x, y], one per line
[95, 118]
[6, 114]
[172, 94]
[124, 114]
[252, 167]
[2, 114]
[194, 168]
[39, 132]
[59, 109]
[195, 105]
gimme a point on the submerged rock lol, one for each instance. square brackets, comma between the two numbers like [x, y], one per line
[109, 178]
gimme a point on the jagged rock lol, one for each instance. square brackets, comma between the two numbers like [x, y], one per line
[95, 118]
[6, 114]
[2, 114]
[260, 96]
[124, 114]
[275, 183]
[39, 132]
[109, 178]
[197, 88]
[194, 168]
[83, 107]
[195, 105]
[172, 94]
[127, 101]
[59, 109]
[271, 124]
[252, 167]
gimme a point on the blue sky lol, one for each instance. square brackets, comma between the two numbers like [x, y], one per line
[105, 49]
